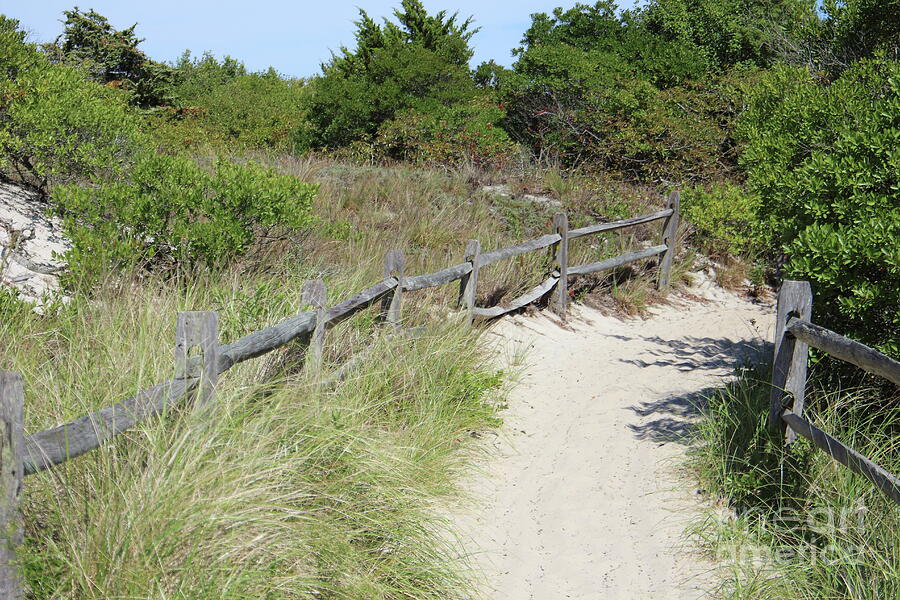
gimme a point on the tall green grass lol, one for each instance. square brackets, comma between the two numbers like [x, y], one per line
[794, 524]
[284, 490]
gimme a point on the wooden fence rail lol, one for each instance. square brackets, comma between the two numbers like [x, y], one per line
[22, 455]
[794, 334]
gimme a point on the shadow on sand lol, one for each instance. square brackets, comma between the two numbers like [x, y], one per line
[672, 418]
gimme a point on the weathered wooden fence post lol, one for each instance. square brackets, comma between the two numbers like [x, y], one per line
[469, 282]
[198, 329]
[561, 258]
[790, 357]
[669, 238]
[12, 400]
[394, 266]
[315, 294]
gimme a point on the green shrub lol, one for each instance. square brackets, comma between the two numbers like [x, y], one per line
[731, 31]
[460, 134]
[55, 126]
[255, 111]
[824, 161]
[171, 210]
[725, 218]
[220, 104]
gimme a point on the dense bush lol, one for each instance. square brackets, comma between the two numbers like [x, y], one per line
[725, 219]
[730, 32]
[170, 210]
[824, 160]
[420, 62]
[55, 125]
[460, 134]
[246, 111]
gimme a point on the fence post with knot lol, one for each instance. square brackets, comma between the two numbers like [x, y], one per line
[468, 283]
[11, 471]
[198, 329]
[669, 239]
[315, 294]
[790, 357]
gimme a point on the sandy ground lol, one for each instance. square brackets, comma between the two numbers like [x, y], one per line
[583, 496]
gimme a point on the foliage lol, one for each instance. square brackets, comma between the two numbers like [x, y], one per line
[725, 219]
[857, 29]
[111, 57]
[170, 210]
[824, 161]
[198, 77]
[223, 106]
[598, 88]
[55, 126]
[460, 134]
[420, 62]
[731, 32]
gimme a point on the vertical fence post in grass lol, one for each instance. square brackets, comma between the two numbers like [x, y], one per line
[469, 282]
[394, 266]
[198, 329]
[669, 239]
[11, 445]
[314, 294]
[561, 258]
[790, 358]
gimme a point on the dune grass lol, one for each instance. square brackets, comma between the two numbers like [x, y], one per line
[283, 490]
[794, 524]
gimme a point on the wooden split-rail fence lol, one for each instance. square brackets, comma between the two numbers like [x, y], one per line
[196, 376]
[794, 334]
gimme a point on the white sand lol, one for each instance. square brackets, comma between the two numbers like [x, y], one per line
[583, 496]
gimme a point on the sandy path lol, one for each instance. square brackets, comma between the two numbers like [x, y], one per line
[583, 498]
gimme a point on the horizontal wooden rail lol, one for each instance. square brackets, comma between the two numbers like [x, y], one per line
[601, 227]
[520, 302]
[850, 458]
[535, 244]
[59, 444]
[448, 275]
[845, 349]
[617, 261]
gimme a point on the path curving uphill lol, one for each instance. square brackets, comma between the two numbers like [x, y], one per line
[582, 497]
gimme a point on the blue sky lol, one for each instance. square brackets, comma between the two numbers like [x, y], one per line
[294, 37]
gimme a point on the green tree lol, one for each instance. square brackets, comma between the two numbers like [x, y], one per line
[111, 57]
[595, 87]
[418, 62]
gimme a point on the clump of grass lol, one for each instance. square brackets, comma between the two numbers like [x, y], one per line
[797, 524]
[732, 273]
[633, 296]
